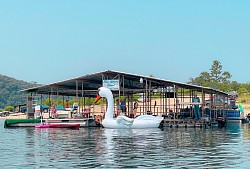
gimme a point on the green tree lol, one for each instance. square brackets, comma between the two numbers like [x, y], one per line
[49, 102]
[215, 71]
[235, 86]
[244, 88]
[217, 75]
[216, 78]
[59, 102]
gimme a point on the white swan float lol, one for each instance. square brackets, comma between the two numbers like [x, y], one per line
[142, 121]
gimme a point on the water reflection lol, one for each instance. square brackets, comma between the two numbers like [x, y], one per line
[130, 148]
[118, 148]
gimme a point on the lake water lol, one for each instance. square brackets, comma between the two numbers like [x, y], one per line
[110, 148]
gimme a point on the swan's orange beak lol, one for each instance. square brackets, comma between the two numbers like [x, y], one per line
[97, 98]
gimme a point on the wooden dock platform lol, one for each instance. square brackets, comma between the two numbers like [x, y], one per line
[187, 123]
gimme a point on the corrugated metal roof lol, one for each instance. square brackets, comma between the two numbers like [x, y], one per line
[91, 82]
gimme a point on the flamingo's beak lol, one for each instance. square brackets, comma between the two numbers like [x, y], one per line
[97, 98]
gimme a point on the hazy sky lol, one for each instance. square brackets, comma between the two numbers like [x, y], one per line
[53, 40]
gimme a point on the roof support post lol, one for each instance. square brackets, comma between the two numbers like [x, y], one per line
[41, 99]
[119, 94]
[77, 94]
[165, 104]
[57, 95]
[51, 93]
[169, 98]
[123, 85]
[150, 99]
[174, 101]
[146, 103]
[202, 105]
[49, 104]
[83, 99]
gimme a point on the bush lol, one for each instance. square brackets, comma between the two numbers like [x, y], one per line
[243, 100]
[9, 108]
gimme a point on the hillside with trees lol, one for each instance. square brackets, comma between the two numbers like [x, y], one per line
[10, 91]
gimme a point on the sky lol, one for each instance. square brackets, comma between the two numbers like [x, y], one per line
[53, 40]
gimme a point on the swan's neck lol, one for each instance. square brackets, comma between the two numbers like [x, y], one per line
[110, 112]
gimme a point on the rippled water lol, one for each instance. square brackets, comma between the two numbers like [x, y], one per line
[109, 148]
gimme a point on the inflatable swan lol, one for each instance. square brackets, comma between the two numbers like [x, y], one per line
[143, 121]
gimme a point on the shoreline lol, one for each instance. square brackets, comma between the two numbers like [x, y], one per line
[14, 116]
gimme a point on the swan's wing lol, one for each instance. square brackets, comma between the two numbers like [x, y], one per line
[159, 118]
[145, 117]
[123, 120]
[149, 117]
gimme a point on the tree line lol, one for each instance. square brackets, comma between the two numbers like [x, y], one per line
[10, 94]
[220, 80]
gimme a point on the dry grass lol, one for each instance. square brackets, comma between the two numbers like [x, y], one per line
[244, 100]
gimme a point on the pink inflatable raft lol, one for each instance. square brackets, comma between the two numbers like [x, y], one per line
[70, 126]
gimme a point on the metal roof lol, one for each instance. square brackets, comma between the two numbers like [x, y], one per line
[88, 84]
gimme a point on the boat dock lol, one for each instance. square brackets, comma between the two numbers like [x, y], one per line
[155, 96]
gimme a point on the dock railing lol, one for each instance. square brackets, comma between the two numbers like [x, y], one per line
[180, 111]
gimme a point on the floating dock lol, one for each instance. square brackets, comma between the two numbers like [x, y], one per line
[188, 123]
[21, 122]
[32, 122]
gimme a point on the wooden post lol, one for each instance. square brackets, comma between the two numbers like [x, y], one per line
[82, 101]
[174, 102]
[202, 106]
